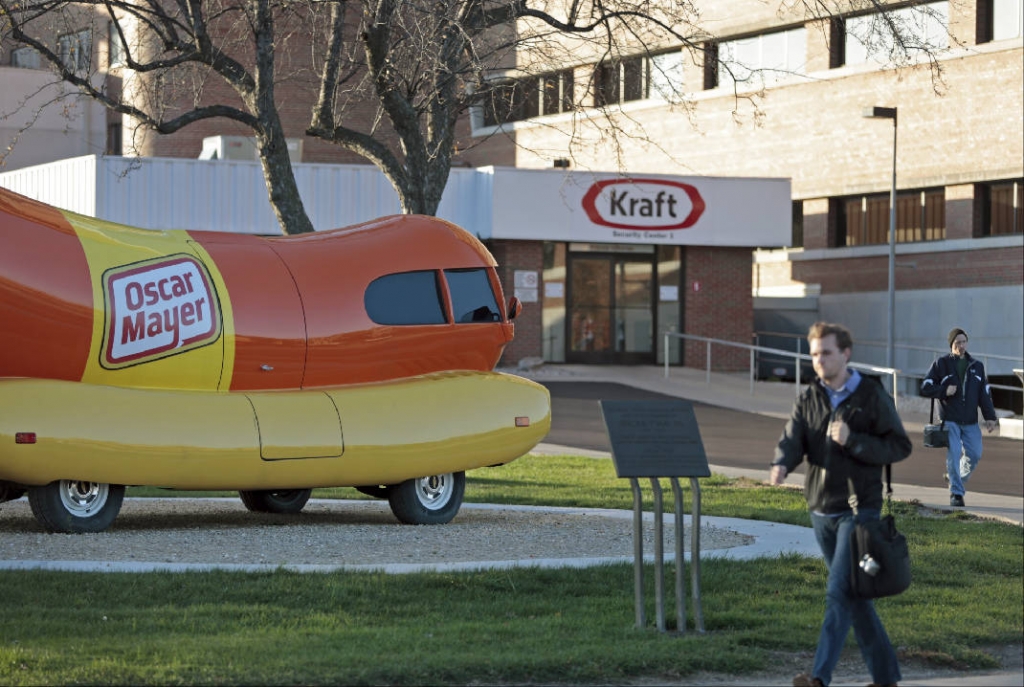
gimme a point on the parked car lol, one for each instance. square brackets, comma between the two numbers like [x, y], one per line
[780, 366]
[360, 357]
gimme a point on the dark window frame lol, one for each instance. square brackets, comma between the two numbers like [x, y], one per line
[836, 42]
[622, 81]
[710, 66]
[516, 100]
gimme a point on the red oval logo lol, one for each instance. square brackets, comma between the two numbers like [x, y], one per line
[650, 204]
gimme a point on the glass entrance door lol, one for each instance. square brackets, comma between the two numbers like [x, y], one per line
[611, 314]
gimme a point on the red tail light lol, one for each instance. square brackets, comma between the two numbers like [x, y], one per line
[24, 437]
[522, 421]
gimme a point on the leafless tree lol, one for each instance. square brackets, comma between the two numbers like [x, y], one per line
[389, 80]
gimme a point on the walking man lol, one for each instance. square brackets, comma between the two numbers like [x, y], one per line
[847, 428]
[958, 382]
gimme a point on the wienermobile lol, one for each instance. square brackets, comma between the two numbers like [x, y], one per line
[362, 356]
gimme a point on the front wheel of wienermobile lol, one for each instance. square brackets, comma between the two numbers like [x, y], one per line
[432, 500]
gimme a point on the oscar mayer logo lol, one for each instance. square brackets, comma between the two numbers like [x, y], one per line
[157, 308]
[649, 204]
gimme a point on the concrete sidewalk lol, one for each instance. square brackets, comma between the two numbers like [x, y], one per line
[774, 399]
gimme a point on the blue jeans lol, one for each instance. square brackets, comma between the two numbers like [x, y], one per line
[843, 611]
[963, 454]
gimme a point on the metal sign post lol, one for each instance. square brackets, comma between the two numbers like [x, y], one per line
[660, 439]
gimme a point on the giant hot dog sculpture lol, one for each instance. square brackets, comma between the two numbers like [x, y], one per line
[357, 357]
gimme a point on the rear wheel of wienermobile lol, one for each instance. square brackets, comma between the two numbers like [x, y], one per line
[76, 507]
[281, 501]
[432, 500]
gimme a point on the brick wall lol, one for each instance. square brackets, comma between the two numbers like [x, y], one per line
[722, 307]
[512, 256]
[943, 270]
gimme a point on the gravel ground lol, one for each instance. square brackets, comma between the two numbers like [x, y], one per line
[221, 532]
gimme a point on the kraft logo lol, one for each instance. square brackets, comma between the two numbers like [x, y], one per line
[651, 204]
[156, 309]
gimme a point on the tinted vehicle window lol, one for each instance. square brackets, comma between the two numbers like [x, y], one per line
[406, 298]
[472, 297]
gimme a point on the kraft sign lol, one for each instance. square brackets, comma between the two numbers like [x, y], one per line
[157, 308]
[648, 204]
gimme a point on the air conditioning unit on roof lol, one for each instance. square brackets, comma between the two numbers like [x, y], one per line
[242, 148]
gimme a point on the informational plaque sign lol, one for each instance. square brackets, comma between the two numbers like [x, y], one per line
[655, 439]
[660, 439]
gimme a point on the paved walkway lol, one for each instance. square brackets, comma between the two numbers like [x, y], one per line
[774, 399]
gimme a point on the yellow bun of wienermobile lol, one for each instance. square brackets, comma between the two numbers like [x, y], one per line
[355, 357]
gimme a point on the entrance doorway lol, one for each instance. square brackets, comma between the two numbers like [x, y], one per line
[611, 314]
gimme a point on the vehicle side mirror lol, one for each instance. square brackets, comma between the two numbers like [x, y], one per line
[515, 306]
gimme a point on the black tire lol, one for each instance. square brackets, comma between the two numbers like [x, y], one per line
[74, 507]
[432, 500]
[282, 501]
[377, 491]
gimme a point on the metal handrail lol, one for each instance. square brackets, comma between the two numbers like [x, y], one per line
[984, 357]
[764, 349]
[903, 347]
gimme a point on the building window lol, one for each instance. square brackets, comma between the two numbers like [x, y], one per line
[558, 89]
[797, 239]
[999, 20]
[25, 58]
[710, 66]
[513, 100]
[762, 60]
[1003, 211]
[510, 100]
[667, 76]
[872, 37]
[836, 42]
[75, 50]
[620, 81]
[114, 139]
[920, 216]
[115, 46]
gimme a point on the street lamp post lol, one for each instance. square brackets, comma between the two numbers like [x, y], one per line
[890, 347]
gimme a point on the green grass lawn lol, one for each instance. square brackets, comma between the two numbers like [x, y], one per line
[511, 626]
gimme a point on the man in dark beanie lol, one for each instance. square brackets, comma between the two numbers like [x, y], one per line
[959, 384]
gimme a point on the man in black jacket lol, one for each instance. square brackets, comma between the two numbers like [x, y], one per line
[847, 427]
[958, 382]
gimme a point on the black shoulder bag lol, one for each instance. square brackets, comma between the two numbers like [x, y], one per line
[879, 558]
[935, 436]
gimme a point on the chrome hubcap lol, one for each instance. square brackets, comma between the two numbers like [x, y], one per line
[435, 491]
[83, 499]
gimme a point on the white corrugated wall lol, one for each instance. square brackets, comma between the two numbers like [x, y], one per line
[228, 195]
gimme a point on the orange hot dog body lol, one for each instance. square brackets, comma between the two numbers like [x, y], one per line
[291, 309]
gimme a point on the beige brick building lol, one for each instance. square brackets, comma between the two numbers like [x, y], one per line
[959, 169]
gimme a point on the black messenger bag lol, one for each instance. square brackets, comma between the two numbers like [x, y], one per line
[879, 557]
[935, 436]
